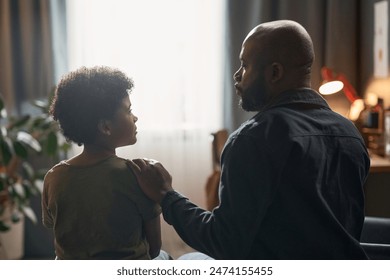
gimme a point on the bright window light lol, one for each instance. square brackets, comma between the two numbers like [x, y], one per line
[172, 49]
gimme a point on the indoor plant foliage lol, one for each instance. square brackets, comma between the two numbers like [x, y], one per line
[20, 138]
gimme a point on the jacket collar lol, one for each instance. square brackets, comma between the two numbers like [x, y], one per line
[301, 96]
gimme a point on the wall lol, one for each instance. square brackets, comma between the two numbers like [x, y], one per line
[368, 83]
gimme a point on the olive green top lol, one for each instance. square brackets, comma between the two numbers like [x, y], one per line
[97, 211]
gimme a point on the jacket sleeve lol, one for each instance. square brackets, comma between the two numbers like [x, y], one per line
[246, 191]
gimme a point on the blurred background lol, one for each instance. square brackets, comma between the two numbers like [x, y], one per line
[181, 55]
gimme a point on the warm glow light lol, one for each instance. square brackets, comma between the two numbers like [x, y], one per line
[331, 87]
[371, 99]
[356, 108]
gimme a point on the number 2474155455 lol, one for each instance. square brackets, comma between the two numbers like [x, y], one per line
[241, 270]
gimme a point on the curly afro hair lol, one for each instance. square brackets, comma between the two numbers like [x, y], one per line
[86, 96]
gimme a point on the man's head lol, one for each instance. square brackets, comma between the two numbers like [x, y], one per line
[275, 56]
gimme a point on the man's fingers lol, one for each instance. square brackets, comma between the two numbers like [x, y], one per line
[142, 164]
[136, 165]
[150, 161]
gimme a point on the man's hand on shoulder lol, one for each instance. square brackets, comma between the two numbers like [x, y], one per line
[154, 180]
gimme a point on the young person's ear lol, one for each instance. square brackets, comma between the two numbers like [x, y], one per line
[104, 127]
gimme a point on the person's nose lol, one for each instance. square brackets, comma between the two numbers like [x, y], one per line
[237, 75]
[135, 119]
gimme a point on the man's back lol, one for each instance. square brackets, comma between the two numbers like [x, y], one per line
[306, 165]
[292, 177]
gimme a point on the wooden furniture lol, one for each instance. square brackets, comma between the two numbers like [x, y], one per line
[212, 184]
[379, 164]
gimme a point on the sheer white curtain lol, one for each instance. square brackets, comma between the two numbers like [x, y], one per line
[173, 51]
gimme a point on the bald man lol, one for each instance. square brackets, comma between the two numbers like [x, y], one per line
[292, 176]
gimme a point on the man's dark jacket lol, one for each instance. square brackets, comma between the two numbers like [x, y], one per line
[291, 187]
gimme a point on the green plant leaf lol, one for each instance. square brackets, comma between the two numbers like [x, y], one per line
[47, 123]
[2, 187]
[20, 150]
[28, 171]
[65, 147]
[15, 217]
[37, 121]
[40, 173]
[19, 190]
[42, 104]
[3, 132]
[4, 227]
[19, 122]
[3, 113]
[29, 213]
[52, 143]
[27, 139]
[6, 150]
[29, 188]
[39, 185]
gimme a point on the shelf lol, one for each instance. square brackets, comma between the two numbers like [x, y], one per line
[379, 164]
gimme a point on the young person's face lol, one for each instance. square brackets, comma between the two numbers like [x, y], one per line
[124, 130]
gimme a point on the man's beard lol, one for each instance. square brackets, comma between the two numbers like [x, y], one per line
[254, 104]
[247, 106]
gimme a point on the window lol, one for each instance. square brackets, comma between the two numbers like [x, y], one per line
[173, 51]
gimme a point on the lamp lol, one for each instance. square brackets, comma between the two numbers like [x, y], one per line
[335, 83]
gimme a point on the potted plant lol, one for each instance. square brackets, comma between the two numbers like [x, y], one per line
[22, 138]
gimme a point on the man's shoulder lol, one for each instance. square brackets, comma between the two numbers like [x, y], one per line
[265, 124]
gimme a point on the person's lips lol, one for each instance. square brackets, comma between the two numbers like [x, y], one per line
[238, 89]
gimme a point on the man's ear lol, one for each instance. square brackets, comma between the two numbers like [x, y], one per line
[104, 127]
[277, 72]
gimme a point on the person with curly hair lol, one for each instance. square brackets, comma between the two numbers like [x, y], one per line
[92, 201]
